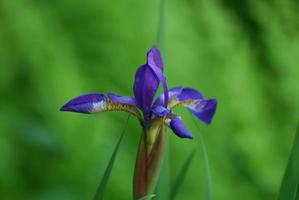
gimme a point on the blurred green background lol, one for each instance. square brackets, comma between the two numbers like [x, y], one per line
[244, 53]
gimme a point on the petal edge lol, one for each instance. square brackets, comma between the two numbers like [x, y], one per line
[87, 103]
[179, 128]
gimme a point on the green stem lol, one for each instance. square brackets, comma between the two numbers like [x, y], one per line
[207, 163]
[148, 164]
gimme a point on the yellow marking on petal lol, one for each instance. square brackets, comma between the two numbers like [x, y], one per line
[174, 102]
[111, 106]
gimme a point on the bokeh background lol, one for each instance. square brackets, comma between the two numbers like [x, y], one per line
[244, 53]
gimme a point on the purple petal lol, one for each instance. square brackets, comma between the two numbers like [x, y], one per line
[179, 128]
[161, 111]
[121, 99]
[204, 109]
[159, 74]
[145, 87]
[172, 93]
[147, 80]
[88, 103]
[154, 58]
[189, 94]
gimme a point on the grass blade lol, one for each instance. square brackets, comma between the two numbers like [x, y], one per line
[181, 176]
[208, 170]
[161, 25]
[163, 189]
[102, 187]
[148, 197]
[209, 191]
[289, 188]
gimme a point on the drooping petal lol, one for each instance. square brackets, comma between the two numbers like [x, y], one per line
[94, 103]
[88, 103]
[188, 94]
[179, 128]
[121, 99]
[147, 80]
[202, 108]
[122, 103]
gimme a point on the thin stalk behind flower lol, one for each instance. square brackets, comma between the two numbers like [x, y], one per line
[148, 162]
[102, 187]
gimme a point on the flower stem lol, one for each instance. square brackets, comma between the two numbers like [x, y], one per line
[148, 163]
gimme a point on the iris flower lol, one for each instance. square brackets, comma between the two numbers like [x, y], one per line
[147, 80]
[153, 116]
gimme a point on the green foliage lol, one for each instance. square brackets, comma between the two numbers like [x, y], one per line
[148, 197]
[181, 176]
[244, 53]
[209, 186]
[290, 183]
[208, 171]
[102, 187]
[164, 186]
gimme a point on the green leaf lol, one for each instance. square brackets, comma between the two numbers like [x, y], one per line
[289, 188]
[181, 176]
[102, 187]
[209, 191]
[148, 197]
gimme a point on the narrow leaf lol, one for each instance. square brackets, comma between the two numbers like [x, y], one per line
[289, 188]
[161, 27]
[102, 187]
[148, 197]
[164, 180]
[163, 188]
[181, 176]
[209, 191]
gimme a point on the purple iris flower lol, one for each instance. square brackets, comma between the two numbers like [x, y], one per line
[147, 80]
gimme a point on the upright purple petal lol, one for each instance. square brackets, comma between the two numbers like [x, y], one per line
[154, 58]
[179, 128]
[145, 87]
[159, 74]
[147, 80]
[88, 103]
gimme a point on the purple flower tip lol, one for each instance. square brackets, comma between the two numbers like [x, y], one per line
[154, 57]
[179, 128]
[88, 103]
